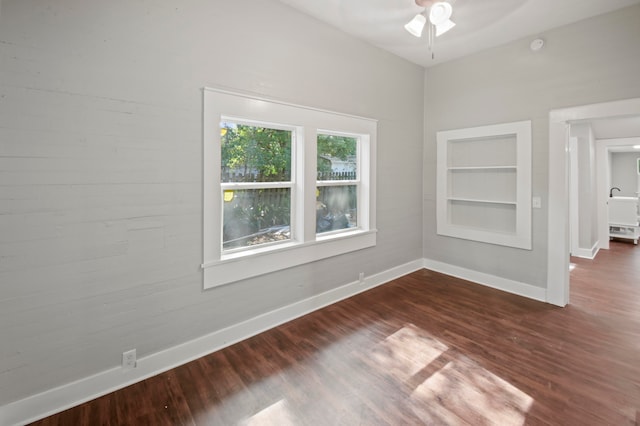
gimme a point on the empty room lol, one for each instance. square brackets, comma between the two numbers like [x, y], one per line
[298, 212]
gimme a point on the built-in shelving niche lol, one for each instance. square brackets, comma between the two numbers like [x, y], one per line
[484, 184]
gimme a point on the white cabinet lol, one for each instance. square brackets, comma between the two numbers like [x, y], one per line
[623, 218]
[623, 210]
[484, 184]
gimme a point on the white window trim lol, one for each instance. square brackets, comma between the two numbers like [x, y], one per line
[305, 246]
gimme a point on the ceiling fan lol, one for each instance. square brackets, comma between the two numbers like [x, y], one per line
[439, 14]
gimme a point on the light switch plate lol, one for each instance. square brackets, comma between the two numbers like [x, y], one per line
[536, 202]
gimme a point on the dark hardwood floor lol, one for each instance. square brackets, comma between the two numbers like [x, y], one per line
[423, 349]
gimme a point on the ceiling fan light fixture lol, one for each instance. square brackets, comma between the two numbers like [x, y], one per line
[440, 13]
[444, 27]
[416, 25]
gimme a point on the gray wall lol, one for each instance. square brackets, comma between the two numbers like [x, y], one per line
[591, 61]
[624, 173]
[101, 171]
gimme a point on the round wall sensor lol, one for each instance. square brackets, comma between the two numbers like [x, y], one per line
[537, 44]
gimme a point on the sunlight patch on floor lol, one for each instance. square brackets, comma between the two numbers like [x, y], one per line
[405, 352]
[277, 414]
[572, 266]
[463, 391]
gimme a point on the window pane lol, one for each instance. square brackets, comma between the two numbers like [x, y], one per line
[337, 157]
[255, 216]
[254, 153]
[336, 208]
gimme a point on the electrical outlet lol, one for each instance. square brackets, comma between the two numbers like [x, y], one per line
[361, 277]
[129, 359]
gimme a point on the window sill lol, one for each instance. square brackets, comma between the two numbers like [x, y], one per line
[247, 264]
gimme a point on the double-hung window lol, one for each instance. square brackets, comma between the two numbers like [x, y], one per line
[256, 183]
[338, 182]
[283, 185]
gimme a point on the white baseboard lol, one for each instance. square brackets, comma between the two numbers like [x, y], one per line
[587, 253]
[61, 398]
[510, 286]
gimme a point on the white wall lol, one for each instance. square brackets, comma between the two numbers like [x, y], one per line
[586, 186]
[591, 61]
[101, 171]
[591, 206]
[624, 173]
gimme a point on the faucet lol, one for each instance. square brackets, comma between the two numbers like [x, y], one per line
[611, 191]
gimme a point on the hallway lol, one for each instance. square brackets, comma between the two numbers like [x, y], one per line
[609, 285]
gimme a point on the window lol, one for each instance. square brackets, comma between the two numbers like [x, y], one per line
[338, 183]
[256, 184]
[283, 185]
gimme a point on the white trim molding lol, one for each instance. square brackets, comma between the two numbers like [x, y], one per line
[558, 226]
[224, 266]
[488, 280]
[61, 398]
[587, 253]
[603, 148]
[481, 196]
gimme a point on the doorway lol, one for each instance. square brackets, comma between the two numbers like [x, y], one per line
[558, 248]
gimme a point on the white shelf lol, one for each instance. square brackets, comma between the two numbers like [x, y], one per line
[474, 200]
[484, 184]
[483, 168]
[629, 232]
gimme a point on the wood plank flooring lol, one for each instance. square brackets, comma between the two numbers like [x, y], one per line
[424, 349]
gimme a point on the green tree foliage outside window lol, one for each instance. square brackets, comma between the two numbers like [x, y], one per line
[255, 154]
[341, 147]
[262, 154]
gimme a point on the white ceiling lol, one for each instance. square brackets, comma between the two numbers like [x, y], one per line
[481, 24]
[624, 128]
[616, 127]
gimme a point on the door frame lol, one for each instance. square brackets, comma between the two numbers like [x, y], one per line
[602, 163]
[558, 213]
